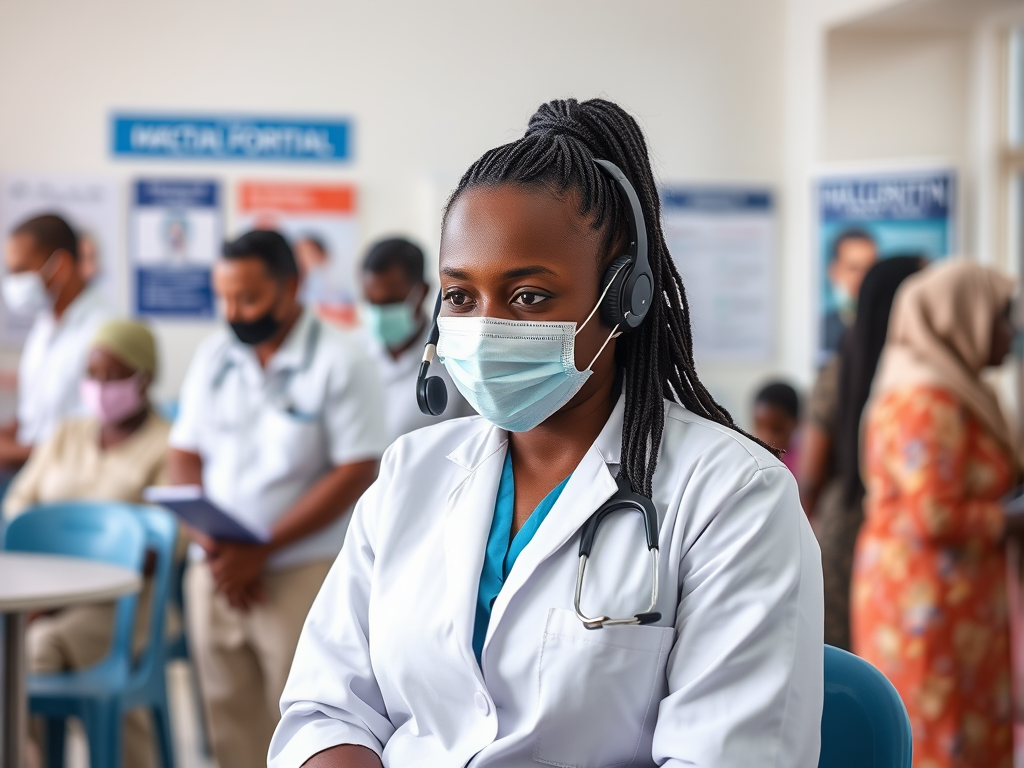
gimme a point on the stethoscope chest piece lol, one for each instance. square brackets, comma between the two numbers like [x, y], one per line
[623, 500]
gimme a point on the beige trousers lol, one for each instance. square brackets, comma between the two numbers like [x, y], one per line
[78, 637]
[243, 658]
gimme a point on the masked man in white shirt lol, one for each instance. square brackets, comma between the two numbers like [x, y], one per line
[395, 292]
[280, 422]
[43, 282]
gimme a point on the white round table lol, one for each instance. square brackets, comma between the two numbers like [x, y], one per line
[31, 582]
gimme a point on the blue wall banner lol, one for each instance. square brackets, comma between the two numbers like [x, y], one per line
[176, 234]
[227, 137]
[723, 241]
[863, 217]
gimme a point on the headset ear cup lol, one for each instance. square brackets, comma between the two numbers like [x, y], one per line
[611, 305]
[436, 395]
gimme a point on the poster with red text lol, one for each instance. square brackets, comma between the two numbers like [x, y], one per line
[319, 220]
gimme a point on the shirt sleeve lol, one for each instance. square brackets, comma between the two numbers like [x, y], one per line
[332, 696]
[354, 409]
[746, 670]
[24, 489]
[186, 433]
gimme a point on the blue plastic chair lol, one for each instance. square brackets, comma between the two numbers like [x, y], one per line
[864, 723]
[168, 410]
[101, 694]
[178, 649]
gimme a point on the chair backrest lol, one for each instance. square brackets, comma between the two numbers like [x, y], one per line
[161, 534]
[110, 532]
[864, 723]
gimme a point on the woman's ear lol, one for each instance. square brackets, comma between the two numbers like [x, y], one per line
[145, 380]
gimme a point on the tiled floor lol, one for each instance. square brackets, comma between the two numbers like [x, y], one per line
[184, 721]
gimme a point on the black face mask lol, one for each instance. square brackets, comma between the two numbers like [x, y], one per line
[257, 331]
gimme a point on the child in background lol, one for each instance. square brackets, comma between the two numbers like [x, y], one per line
[776, 416]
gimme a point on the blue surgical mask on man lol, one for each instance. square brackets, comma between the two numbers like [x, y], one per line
[393, 325]
[515, 373]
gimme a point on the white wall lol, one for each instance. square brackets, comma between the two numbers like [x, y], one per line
[896, 95]
[429, 85]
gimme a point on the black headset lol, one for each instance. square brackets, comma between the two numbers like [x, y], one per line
[628, 287]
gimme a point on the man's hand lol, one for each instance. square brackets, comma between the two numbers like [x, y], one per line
[208, 544]
[236, 570]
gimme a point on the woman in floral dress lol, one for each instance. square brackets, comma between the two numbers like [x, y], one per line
[929, 598]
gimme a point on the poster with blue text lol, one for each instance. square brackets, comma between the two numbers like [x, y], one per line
[863, 217]
[176, 235]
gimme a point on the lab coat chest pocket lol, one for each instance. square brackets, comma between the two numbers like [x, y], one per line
[598, 692]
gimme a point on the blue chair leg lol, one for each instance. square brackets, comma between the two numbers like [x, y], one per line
[103, 727]
[56, 729]
[164, 735]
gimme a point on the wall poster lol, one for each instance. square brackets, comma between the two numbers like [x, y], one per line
[723, 240]
[319, 220]
[175, 236]
[862, 217]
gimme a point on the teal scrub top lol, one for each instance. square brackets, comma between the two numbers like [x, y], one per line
[502, 549]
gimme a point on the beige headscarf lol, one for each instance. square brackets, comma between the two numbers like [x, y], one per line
[129, 341]
[940, 333]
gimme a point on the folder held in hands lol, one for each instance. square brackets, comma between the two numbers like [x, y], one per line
[189, 504]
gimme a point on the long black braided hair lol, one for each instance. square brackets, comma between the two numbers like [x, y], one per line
[562, 140]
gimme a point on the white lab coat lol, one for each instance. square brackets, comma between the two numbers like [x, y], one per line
[731, 677]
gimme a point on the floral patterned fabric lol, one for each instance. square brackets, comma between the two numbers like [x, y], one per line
[929, 582]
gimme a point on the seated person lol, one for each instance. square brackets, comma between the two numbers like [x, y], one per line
[776, 416]
[113, 455]
[43, 284]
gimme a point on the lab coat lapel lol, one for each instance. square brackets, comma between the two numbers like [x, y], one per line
[591, 484]
[470, 509]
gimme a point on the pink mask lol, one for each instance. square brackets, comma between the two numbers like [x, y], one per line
[112, 401]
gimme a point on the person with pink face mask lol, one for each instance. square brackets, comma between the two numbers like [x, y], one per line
[111, 455]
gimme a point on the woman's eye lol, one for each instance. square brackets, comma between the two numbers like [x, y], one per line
[528, 299]
[455, 298]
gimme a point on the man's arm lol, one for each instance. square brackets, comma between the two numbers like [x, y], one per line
[184, 467]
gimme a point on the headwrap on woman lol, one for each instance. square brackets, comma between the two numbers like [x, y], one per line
[941, 334]
[129, 341]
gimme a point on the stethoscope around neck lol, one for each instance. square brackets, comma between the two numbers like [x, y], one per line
[278, 388]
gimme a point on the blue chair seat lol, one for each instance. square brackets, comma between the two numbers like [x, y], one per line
[863, 723]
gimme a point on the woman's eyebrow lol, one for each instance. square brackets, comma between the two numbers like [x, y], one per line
[537, 269]
[528, 271]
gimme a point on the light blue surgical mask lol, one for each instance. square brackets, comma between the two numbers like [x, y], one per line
[393, 325]
[515, 373]
[846, 304]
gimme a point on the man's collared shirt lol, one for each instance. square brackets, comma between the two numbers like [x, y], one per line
[53, 364]
[266, 436]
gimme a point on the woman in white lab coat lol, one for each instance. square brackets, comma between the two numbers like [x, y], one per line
[451, 630]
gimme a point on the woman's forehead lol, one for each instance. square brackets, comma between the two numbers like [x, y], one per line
[512, 223]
